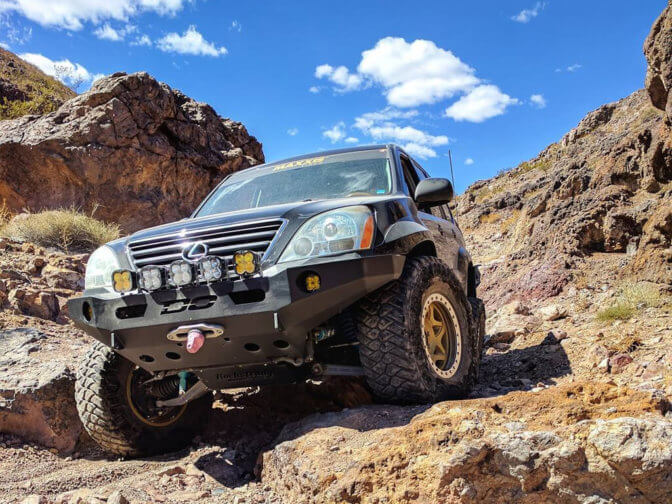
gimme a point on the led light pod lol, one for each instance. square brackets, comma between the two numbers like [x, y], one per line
[123, 281]
[210, 269]
[181, 273]
[151, 278]
[246, 263]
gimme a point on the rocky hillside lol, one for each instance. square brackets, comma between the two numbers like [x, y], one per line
[573, 403]
[25, 89]
[132, 147]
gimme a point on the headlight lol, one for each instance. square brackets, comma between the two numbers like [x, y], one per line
[333, 232]
[102, 263]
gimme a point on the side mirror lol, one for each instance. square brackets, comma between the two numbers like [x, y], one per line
[433, 192]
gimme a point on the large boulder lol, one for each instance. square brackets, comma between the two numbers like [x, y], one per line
[37, 390]
[138, 151]
[658, 52]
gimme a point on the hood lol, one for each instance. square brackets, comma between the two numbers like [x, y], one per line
[296, 212]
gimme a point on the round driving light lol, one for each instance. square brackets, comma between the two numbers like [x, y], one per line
[181, 273]
[151, 278]
[303, 246]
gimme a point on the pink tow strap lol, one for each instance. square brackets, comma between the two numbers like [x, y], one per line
[195, 340]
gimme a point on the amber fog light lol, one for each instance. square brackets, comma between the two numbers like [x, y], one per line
[123, 281]
[246, 263]
[312, 282]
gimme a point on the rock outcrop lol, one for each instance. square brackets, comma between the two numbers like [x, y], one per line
[139, 151]
[36, 391]
[511, 449]
[658, 51]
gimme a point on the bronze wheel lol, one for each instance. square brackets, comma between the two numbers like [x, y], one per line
[441, 335]
[143, 405]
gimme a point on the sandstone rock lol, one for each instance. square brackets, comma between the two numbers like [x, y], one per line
[506, 327]
[36, 397]
[117, 497]
[143, 152]
[552, 312]
[450, 453]
[57, 277]
[618, 362]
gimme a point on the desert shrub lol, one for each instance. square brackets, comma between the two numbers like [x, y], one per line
[618, 311]
[66, 229]
[631, 298]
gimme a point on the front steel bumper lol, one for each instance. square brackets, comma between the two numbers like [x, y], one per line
[265, 319]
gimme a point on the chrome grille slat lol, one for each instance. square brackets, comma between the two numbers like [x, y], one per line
[223, 241]
[209, 241]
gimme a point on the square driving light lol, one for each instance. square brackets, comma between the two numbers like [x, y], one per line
[181, 273]
[313, 282]
[210, 269]
[151, 278]
[123, 281]
[246, 263]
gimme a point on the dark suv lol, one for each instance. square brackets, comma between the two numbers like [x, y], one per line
[345, 262]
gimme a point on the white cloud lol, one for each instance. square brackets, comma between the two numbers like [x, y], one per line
[382, 126]
[415, 73]
[314, 89]
[526, 15]
[190, 42]
[570, 68]
[106, 32]
[351, 140]
[482, 103]
[4, 45]
[406, 134]
[71, 74]
[538, 100]
[468, 161]
[142, 40]
[419, 73]
[336, 133]
[236, 26]
[13, 32]
[341, 76]
[72, 14]
[293, 131]
[420, 151]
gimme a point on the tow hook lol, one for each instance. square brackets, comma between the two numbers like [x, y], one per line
[195, 340]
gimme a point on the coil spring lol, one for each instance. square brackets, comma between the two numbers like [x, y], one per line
[166, 388]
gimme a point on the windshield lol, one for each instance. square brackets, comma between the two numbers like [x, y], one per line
[351, 174]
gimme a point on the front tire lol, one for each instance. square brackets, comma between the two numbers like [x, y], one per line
[114, 413]
[418, 338]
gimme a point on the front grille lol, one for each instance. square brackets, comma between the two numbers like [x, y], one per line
[223, 241]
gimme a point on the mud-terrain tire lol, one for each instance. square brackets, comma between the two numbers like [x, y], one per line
[110, 418]
[478, 314]
[393, 349]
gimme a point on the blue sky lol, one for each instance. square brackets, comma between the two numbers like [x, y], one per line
[494, 81]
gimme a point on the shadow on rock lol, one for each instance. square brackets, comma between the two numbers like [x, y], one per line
[523, 368]
[245, 422]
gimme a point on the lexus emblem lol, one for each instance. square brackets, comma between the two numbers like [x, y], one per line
[195, 251]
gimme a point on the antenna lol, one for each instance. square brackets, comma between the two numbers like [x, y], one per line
[452, 175]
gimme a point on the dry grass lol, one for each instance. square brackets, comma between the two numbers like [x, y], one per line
[506, 224]
[66, 229]
[490, 218]
[632, 298]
